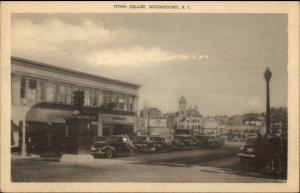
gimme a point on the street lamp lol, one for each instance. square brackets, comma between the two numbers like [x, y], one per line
[148, 122]
[268, 75]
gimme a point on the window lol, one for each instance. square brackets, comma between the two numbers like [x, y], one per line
[100, 98]
[32, 93]
[115, 100]
[94, 98]
[126, 103]
[121, 102]
[41, 90]
[105, 97]
[51, 92]
[69, 95]
[61, 94]
[131, 101]
[23, 87]
[87, 97]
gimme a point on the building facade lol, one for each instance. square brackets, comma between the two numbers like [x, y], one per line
[189, 120]
[42, 100]
[152, 121]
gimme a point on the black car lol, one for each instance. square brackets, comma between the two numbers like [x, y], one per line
[152, 143]
[215, 140]
[183, 142]
[248, 151]
[143, 143]
[110, 146]
[162, 142]
[200, 141]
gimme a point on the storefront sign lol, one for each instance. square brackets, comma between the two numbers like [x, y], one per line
[117, 119]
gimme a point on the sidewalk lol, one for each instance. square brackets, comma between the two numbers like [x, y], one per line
[17, 156]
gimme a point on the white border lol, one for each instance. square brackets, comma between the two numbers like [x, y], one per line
[290, 8]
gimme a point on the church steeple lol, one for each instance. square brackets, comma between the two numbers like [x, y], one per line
[182, 106]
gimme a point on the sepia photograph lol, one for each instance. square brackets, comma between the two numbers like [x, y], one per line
[149, 97]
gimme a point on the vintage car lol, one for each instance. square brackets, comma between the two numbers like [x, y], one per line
[183, 142]
[248, 150]
[110, 146]
[142, 143]
[148, 143]
[200, 141]
[215, 140]
[162, 142]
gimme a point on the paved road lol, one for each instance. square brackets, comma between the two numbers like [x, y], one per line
[200, 165]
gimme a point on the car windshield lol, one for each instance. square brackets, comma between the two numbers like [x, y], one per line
[251, 141]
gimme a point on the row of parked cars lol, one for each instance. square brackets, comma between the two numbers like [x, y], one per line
[110, 146]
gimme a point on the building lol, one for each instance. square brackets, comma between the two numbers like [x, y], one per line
[215, 124]
[42, 100]
[152, 122]
[171, 121]
[189, 120]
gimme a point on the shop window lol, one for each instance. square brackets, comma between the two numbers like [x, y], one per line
[32, 93]
[61, 94]
[23, 87]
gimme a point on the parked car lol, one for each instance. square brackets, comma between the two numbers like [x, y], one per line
[182, 142]
[110, 146]
[215, 140]
[162, 142]
[248, 150]
[142, 143]
[201, 140]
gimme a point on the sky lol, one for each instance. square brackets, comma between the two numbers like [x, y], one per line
[216, 61]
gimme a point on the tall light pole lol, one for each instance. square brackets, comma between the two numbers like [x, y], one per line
[148, 132]
[268, 75]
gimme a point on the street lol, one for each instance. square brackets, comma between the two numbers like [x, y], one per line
[198, 165]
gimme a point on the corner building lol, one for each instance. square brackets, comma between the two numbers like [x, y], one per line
[42, 100]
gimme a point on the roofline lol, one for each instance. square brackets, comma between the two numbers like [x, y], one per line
[73, 71]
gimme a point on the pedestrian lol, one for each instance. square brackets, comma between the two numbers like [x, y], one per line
[28, 146]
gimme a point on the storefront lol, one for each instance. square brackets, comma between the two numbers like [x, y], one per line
[117, 124]
[42, 97]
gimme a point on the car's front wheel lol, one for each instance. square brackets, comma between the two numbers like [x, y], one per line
[108, 153]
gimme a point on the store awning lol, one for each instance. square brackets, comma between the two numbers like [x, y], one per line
[33, 126]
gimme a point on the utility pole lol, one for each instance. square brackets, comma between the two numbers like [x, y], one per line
[267, 76]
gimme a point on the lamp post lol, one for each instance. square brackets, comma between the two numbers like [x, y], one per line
[267, 76]
[23, 150]
[148, 132]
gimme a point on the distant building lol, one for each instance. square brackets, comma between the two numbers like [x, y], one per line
[188, 120]
[151, 121]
